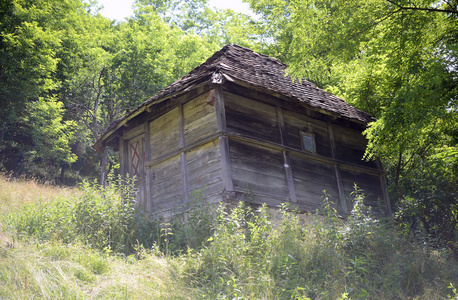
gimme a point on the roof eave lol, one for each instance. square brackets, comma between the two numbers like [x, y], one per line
[106, 137]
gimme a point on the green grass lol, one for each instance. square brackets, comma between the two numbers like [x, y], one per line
[92, 244]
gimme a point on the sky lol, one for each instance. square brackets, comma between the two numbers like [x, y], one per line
[121, 9]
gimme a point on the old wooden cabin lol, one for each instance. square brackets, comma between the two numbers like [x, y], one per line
[237, 128]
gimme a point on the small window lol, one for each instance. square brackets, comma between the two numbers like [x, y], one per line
[308, 142]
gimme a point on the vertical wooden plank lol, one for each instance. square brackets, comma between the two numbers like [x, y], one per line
[343, 202]
[289, 177]
[184, 178]
[147, 185]
[217, 92]
[122, 149]
[181, 125]
[332, 140]
[182, 154]
[287, 163]
[386, 198]
[226, 167]
[281, 124]
[124, 163]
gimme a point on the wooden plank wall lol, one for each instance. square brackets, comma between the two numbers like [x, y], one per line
[199, 119]
[164, 134]
[310, 179]
[266, 150]
[252, 118]
[220, 141]
[166, 184]
[296, 123]
[185, 154]
[135, 134]
[258, 172]
[350, 145]
[370, 184]
[204, 169]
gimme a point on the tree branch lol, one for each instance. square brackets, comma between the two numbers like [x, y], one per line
[449, 11]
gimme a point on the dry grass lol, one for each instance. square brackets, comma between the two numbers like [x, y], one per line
[293, 259]
[56, 271]
[15, 193]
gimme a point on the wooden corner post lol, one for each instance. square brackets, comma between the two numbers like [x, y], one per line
[217, 94]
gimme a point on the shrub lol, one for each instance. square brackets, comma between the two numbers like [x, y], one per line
[329, 258]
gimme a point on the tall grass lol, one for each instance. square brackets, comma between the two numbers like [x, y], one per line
[15, 193]
[94, 243]
[361, 258]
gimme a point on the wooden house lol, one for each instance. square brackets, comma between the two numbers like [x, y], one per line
[237, 128]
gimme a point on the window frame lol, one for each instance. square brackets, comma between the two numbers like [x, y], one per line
[310, 135]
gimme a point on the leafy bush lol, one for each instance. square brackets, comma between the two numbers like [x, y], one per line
[254, 255]
[102, 217]
[240, 252]
[107, 218]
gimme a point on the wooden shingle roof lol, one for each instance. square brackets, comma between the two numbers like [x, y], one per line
[244, 66]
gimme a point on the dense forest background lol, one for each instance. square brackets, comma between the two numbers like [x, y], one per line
[66, 73]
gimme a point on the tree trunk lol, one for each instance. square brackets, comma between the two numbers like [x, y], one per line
[62, 173]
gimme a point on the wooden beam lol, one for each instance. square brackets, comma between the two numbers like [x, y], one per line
[226, 168]
[281, 124]
[122, 157]
[149, 198]
[286, 160]
[181, 125]
[343, 202]
[220, 110]
[184, 178]
[289, 177]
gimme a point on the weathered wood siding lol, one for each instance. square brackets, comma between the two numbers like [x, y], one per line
[203, 166]
[310, 179]
[199, 119]
[350, 146]
[252, 118]
[296, 123]
[185, 156]
[269, 163]
[164, 134]
[370, 184]
[133, 161]
[166, 184]
[258, 172]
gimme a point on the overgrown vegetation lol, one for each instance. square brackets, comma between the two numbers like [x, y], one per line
[67, 72]
[95, 244]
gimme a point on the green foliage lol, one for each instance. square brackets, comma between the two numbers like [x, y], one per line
[258, 255]
[397, 61]
[100, 218]
[106, 218]
[218, 27]
[35, 136]
[250, 254]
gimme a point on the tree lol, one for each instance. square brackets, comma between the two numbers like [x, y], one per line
[397, 60]
[217, 26]
[30, 38]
